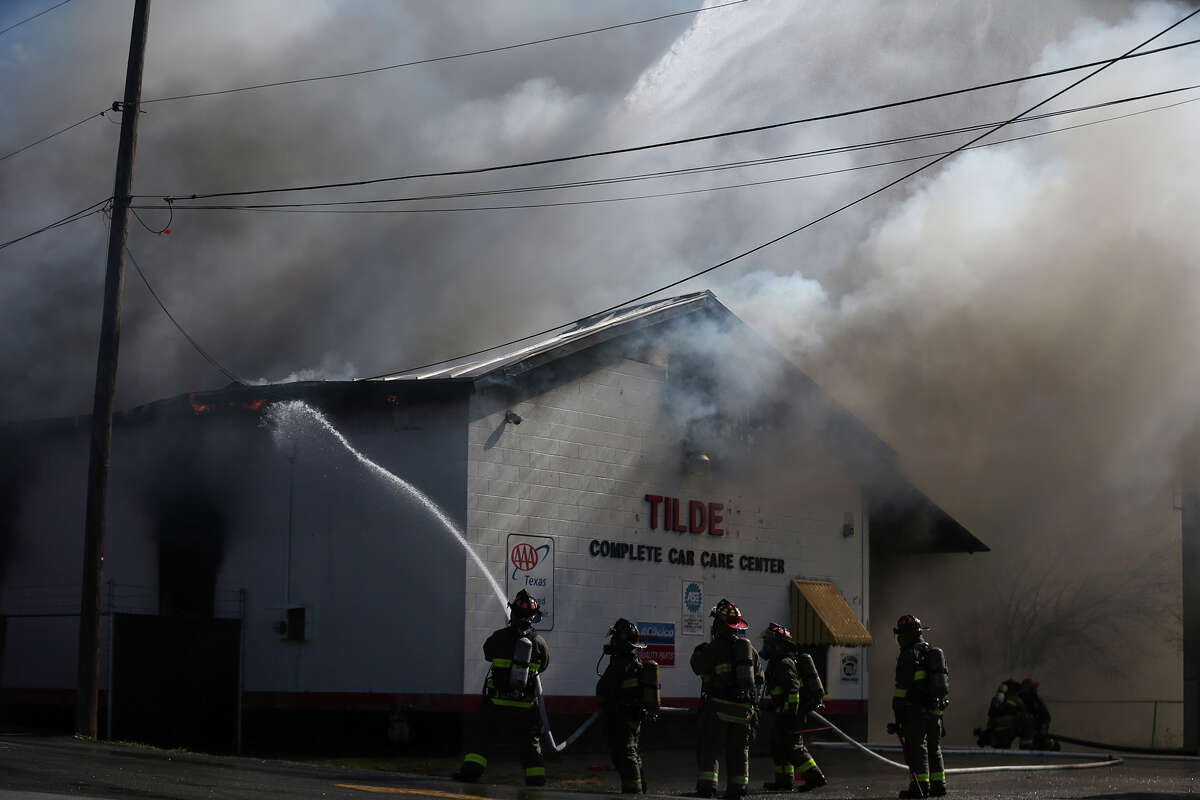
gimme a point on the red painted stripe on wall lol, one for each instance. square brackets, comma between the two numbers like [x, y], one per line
[383, 701]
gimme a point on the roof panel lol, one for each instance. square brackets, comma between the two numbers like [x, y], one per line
[484, 363]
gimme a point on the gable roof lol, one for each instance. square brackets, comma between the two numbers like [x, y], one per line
[905, 519]
[586, 332]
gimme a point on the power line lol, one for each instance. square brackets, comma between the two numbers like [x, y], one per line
[52, 135]
[332, 207]
[82, 213]
[669, 143]
[442, 58]
[285, 209]
[808, 224]
[179, 327]
[35, 16]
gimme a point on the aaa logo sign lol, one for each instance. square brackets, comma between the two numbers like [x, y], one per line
[530, 566]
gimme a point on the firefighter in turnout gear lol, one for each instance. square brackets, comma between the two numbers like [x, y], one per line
[1016, 712]
[628, 694]
[790, 695]
[732, 679]
[508, 710]
[921, 695]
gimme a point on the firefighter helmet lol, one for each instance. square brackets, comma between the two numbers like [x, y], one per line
[524, 607]
[909, 624]
[777, 639]
[729, 615]
[625, 633]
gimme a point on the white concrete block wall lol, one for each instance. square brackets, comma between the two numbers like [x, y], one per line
[579, 467]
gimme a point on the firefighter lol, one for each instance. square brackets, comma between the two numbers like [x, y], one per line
[622, 701]
[921, 695]
[732, 680]
[1008, 718]
[1037, 734]
[508, 709]
[790, 697]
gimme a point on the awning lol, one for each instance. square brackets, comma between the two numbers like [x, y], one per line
[820, 615]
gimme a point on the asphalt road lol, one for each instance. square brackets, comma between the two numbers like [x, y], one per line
[52, 767]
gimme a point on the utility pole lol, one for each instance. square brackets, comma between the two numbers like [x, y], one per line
[88, 680]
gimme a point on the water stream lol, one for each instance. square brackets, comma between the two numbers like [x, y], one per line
[288, 420]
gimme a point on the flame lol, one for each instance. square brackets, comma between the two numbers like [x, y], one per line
[198, 407]
[253, 405]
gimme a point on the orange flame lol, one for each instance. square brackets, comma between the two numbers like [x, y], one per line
[198, 407]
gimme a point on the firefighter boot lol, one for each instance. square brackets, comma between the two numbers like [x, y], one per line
[705, 788]
[535, 776]
[785, 778]
[471, 768]
[937, 788]
[811, 778]
[915, 789]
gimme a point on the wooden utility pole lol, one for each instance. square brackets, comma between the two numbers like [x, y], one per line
[87, 698]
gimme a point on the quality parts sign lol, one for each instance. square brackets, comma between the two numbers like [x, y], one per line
[530, 566]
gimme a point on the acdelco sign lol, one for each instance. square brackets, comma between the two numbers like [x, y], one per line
[700, 517]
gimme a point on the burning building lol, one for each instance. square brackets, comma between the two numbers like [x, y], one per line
[272, 563]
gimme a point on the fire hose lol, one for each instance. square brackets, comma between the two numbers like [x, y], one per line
[587, 723]
[1110, 762]
[1121, 748]
[541, 701]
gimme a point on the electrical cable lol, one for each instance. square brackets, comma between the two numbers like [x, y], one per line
[695, 170]
[442, 58]
[180, 328]
[164, 229]
[812, 222]
[669, 143]
[35, 16]
[48, 137]
[67, 220]
[333, 207]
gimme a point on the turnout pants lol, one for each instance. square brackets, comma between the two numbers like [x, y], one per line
[722, 734]
[788, 752]
[500, 722]
[923, 745]
[623, 730]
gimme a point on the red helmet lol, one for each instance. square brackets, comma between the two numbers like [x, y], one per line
[778, 636]
[525, 607]
[774, 629]
[728, 614]
[1030, 682]
[908, 624]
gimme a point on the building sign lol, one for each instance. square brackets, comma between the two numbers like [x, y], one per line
[659, 638]
[692, 616]
[695, 517]
[530, 566]
[682, 556]
[849, 671]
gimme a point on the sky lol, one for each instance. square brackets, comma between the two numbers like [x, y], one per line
[1018, 321]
